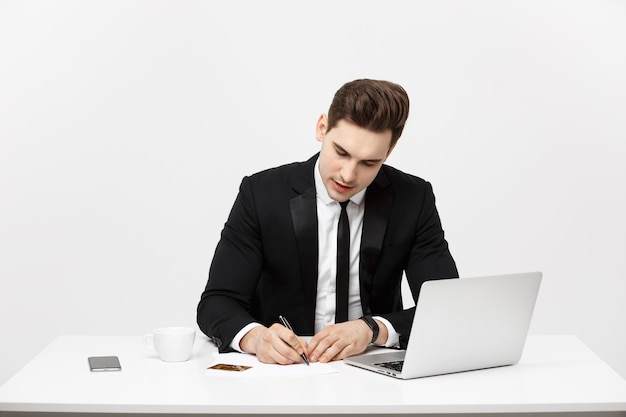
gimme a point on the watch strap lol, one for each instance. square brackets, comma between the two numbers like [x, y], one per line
[371, 323]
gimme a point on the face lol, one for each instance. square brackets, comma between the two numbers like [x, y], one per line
[351, 157]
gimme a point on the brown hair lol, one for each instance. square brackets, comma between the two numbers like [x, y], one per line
[375, 105]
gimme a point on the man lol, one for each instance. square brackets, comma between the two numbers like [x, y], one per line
[278, 251]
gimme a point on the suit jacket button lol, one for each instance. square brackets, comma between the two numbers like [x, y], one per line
[217, 341]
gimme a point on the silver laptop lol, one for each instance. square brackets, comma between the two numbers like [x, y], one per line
[461, 325]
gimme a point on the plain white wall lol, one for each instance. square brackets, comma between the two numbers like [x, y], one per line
[126, 127]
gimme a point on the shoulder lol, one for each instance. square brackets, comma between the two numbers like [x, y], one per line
[400, 180]
[289, 168]
[277, 171]
[295, 175]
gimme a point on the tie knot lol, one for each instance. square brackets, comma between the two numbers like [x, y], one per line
[344, 204]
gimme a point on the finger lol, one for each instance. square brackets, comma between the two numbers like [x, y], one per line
[287, 344]
[322, 346]
[273, 356]
[334, 352]
[317, 338]
[268, 347]
[291, 339]
[304, 345]
[285, 358]
[312, 345]
[277, 352]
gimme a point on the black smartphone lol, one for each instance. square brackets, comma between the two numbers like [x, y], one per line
[104, 363]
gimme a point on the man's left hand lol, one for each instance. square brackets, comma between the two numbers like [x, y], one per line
[339, 341]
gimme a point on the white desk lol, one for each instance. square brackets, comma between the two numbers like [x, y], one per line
[556, 374]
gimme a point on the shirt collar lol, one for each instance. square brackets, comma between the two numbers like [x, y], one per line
[322, 193]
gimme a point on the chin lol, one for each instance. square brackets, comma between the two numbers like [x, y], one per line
[342, 197]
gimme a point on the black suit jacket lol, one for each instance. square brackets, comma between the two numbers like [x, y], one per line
[266, 261]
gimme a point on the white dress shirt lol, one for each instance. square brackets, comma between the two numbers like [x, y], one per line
[328, 211]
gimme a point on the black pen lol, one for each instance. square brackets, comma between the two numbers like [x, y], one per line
[285, 323]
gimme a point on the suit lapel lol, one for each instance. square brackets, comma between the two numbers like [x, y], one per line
[378, 199]
[304, 218]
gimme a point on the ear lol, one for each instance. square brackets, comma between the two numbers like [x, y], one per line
[321, 127]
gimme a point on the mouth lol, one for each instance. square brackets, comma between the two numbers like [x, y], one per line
[341, 188]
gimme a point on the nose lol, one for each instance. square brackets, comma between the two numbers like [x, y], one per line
[349, 173]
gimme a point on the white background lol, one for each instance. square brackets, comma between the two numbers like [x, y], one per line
[127, 126]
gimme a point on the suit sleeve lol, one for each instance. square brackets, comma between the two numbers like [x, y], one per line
[430, 256]
[224, 305]
[429, 259]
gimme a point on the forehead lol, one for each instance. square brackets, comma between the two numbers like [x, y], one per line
[359, 142]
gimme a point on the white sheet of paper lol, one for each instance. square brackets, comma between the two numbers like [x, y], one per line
[260, 369]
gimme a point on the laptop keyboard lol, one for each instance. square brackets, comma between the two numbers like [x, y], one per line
[393, 365]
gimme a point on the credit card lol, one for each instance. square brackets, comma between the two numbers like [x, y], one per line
[228, 367]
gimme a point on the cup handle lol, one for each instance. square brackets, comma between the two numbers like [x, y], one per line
[149, 340]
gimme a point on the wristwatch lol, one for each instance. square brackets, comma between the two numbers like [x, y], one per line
[372, 325]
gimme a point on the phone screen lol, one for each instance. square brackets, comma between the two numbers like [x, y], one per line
[104, 363]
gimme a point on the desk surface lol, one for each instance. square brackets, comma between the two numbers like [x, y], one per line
[556, 374]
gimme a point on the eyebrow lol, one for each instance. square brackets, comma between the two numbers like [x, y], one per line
[340, 148]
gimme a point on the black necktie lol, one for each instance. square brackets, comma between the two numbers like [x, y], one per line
[343, 265]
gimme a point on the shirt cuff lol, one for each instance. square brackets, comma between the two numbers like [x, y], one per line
[235, 343]
[393, 338]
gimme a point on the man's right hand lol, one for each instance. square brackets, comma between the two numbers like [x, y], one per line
[276, 344]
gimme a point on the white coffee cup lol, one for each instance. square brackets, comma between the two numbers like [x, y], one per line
[173, 344]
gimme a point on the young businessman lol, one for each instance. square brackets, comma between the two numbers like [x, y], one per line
[278, 251]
